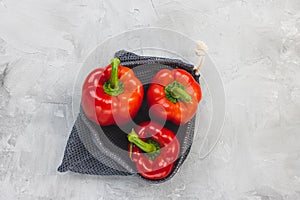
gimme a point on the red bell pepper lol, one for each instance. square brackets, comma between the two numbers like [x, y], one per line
[112, 95]
[176, 95]
[154, 150]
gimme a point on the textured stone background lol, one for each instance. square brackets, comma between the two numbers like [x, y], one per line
[254, 44]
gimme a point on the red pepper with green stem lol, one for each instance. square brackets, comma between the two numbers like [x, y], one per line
[154, 149]
[112, 95]
[177, 95]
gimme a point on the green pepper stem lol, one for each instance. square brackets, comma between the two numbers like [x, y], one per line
[176, 92]
[113, 81]
[146, 147]
[114, 86]
[180, 93]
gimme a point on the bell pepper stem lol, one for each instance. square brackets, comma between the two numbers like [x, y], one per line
[113, 81]
[146, 147]
[178, 92]
[114, 86]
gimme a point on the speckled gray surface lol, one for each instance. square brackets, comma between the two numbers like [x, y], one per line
[254, 44]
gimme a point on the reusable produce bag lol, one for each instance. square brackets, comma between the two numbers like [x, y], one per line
[96, 150]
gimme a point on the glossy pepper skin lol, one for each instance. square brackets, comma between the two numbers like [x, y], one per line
[154, 150]
[176, 95]
[112, 95]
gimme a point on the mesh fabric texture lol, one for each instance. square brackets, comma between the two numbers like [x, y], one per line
[96, 150]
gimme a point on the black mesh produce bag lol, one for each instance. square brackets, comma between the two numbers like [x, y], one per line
[96, 150]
